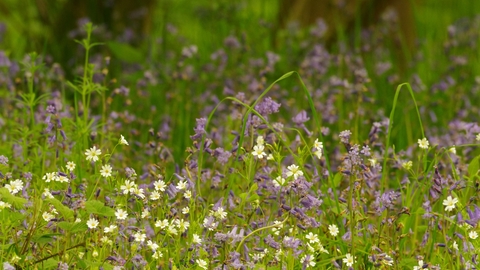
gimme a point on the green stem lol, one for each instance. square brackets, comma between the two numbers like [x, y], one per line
[258, 230]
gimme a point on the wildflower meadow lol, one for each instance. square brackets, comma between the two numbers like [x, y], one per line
[226, 148]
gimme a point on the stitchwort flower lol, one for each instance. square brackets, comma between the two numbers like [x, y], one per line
[106, 171]
[333, 230]
[423, 143]
[92, 223]
[449, 203]
[15, 186]
[293, 170]
[349, 260]
[121, 214]
[258, 151]
[71, 166]
[122, 140]
[93, 153]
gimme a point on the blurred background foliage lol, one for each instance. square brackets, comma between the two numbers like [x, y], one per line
[49, 26]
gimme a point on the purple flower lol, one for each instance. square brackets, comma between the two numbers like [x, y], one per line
[199, 128]
[3, 160]
[301, 118]
[345, 136]
[474, 216]
[267, 106]
[222, 155]
[271, 242]
[310, 202]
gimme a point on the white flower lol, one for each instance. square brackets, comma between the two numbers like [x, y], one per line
[92, 223]
[160, 185]
[449, 203]
[48, 177]
[182, 225]
[145, 213]
[128, 187]
[372, 161]
[349, 260]
[110, 229]
[258, 151]
[318, 153]
[455, 245]
[162, 224]
[196, 239]
[172, 230]
[185, 210]
[202, 263]
[47, 216]
[407, 165]
[473, 235]
[121, 214]
[307, 260]
[279, 181]
[181, 185]
[188, 194]
[423, 143]
[333, 229]
[46, 193]
[154, 246]
[106, 240]
[321, 248]
[276, 229]
[157, 255]
[477, 137]
[387, 260]
[318, 145]
[420, 265]
[15, 186]
[93, 153]
[122, 140]
[106, 171]
[71, 166]
[312, 237]
[4, 205]
[61, 179]
[220, 213]
[139, 237]
[139, 192]
[260, 140]
[270, 157]
[294, 170]
[154, 195]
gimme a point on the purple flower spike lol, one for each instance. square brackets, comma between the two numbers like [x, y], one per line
[474, 216]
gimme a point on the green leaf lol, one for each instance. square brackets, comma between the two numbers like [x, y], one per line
[253, 188]
[17, 202]
[77, 227]
[6, 246]
[45, 238]
[66, 212]
[94, 265]
[473, 167]
[97, 207]
[125, 52]
[337, 180]
[253, 197]
[10, 217]
[50, 264]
